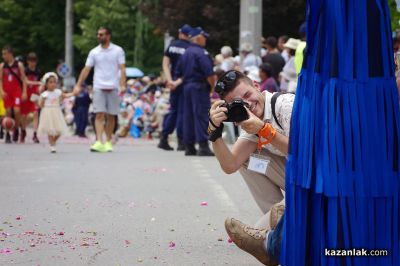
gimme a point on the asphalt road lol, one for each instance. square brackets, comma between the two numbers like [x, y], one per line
[136, 206]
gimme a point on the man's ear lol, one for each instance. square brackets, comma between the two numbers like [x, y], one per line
[256, 85]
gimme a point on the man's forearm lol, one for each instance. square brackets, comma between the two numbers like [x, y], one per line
[32, 83]
[24, 86]
[166, 69]
[225, 156]
[265, 131]
[82, 77]
[23, 77]
[122, 82]
[281, 142]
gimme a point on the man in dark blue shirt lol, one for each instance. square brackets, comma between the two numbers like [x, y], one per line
[175, 116]
[195, 70]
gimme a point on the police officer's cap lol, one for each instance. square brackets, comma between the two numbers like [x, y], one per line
[197, 31]
[185, 29]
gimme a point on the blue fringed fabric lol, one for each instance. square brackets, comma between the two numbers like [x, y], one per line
[342, 174]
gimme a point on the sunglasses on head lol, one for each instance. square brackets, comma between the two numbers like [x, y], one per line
[225, 83]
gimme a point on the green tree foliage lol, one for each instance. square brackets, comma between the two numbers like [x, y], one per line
[221, 18]
[138, 25]
[34, 26]
[130, 28]
[395, 15]
[39, 26]
[283, 17]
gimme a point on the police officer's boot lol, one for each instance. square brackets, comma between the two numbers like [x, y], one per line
[164, 143]
[181, 145]
[204, 149]
[190, 150]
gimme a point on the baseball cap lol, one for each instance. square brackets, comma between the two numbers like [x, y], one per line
[197, 31]
[185, 29]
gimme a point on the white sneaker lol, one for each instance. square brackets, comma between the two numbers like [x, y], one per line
[53, 149]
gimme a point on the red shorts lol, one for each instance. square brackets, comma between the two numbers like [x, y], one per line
[27, 106]
[12, 99]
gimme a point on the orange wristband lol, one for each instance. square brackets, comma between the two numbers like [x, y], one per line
[268, 133]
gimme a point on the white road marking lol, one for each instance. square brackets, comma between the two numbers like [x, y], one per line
[218, 190]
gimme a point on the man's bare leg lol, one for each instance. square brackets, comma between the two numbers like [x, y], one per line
[99, 126]
[110, 125]
[18, 123]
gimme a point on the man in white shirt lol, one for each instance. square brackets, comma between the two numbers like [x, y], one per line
[108, 61]
[259, 154]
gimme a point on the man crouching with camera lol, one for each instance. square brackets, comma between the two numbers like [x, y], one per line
[259, 153]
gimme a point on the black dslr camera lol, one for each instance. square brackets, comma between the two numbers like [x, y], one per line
[236, 111]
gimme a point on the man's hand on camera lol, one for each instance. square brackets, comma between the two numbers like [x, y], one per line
[217, 114]
[253, 124]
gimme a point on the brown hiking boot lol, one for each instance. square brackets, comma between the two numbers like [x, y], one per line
[248, 239]
[276, 213]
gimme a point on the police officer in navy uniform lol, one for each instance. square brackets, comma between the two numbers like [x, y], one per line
[175, 116]
[196, 72]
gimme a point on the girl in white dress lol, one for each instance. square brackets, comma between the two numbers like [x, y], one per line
[52, 121]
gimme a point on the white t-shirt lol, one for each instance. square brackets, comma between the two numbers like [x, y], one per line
[52, 98]
[283, 111]
[106, 62]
